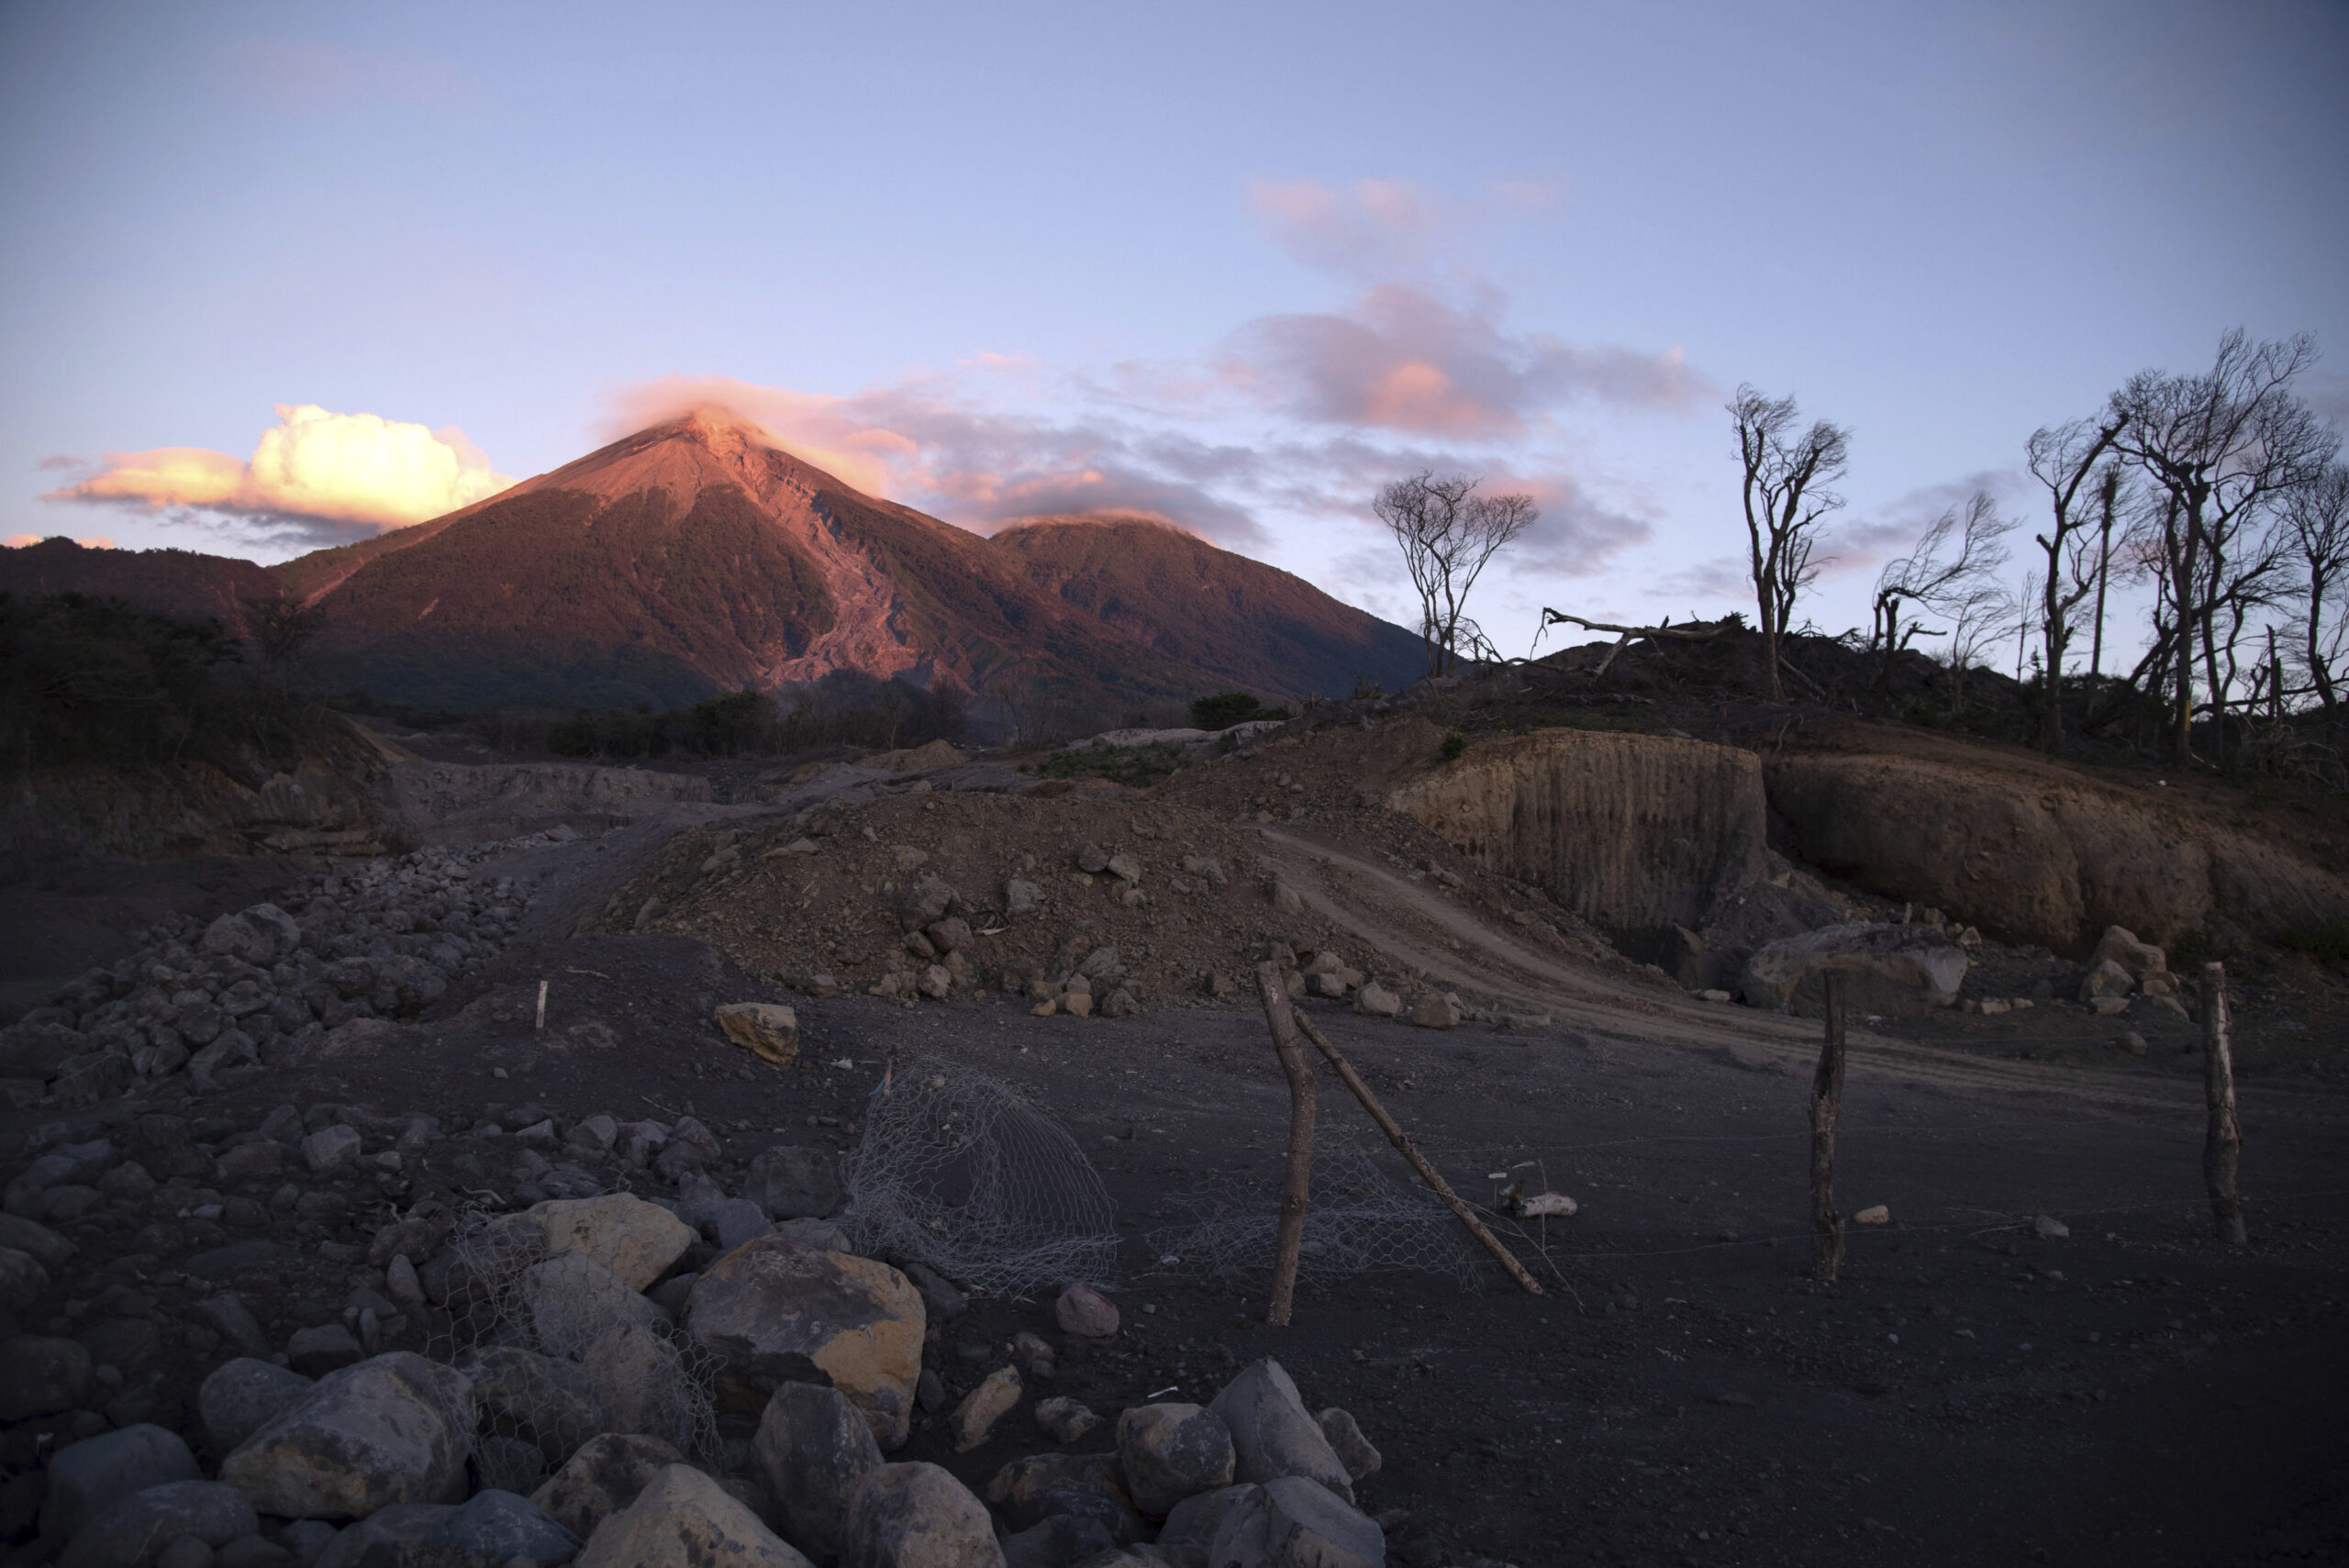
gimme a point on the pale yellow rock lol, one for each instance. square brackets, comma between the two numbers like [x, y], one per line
[768, 1030]
[636, 1240]
[1876, 1214]
[684, 1519]
[773, 1308]
[982, 1408]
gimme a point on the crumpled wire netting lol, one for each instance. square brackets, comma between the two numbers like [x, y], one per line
[957, 1171]
[1362, 1219]
[612, 1364]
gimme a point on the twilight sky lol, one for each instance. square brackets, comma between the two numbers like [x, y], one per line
[282, 275]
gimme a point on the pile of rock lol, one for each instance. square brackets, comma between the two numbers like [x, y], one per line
[265, 985]
[2121, 965]
[571, 1425]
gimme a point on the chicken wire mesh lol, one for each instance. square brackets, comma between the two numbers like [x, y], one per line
[559, 1350]
[1362, 1220]
[955, 1170]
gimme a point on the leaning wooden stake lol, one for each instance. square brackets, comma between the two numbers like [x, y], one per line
[542, 1008]
[1826, 1100]
[1404, 1146]
[1297, 1184]
[2222, 1142]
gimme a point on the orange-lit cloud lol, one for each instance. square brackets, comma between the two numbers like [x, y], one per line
[358, 468]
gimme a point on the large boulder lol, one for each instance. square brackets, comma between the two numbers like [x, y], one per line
[40, 1376]
[490, 1529]
[636, 1240]
[1040, 1487]
[1171, 1452]
[604, 1476]
[1292, 1523]
[571, 1301]
[776, 1311]
[86, 1477]
[684, 1519]
[1272, 1435]
[240, 1396]
[549, 1403]
[395, 1428]
[641, 1383]
[133, 1530]
[1895, 969]
[918, 1516]
[813, 1450]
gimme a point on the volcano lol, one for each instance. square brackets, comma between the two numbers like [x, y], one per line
[693, 558]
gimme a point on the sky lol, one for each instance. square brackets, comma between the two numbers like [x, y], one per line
[282, 275]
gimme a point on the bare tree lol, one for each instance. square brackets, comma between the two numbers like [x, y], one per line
[1952, 571]
[1448, 534]
[2064, 458]
[281, 628]
[1787, 493]
[2224, 445]
[2315, 520]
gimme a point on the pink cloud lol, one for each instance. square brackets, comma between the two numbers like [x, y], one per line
[1374, 226]
[1399, 359]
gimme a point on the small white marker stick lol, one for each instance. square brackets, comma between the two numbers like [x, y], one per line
[542, 1006]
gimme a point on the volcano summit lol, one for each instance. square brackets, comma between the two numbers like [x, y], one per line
[694, 557]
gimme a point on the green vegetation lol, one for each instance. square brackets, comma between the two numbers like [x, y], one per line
[91, 680]
[1137, 766]
[1455, 743]
[845, 709]
[1224, 709]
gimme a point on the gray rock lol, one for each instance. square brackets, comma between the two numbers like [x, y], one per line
[395, 1428]
[730, 1221]
[490, 1529]
[1888, 969]
[86, 1477]
[813, 1450]
[540, 1400]
[1191, 1525]
[329, 1347]
[184, 1551]
[684, 1519]
[242, 1396]
[1272, 1435]
[641, 1383]
[570, 1302]
[918, 1516]
[1290, 1522]
[1020, 897]
[1353, 1450]
[1068, 1421]
[259, 936]
[23, 1281]
[29, 1236]
[1062, 1541]
[1376, 1001]
[604, 1476]
[330, 1149]
[939, 1299]
[306, 1539]
[40, 1376]
[1172, 1451]
[1090, 1485]
[790, 1182]
[133, 1530]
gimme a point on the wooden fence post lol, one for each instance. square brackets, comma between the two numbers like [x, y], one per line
[1297, 1184]
[1826, 1101]
[2222, 1142]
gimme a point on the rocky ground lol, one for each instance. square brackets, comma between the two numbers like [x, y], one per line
[2040, 1353]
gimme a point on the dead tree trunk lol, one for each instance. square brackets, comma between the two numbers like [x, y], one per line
[1409, 1150]
[2222, 1141]
[1297, 1184]
[1826, 1101]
